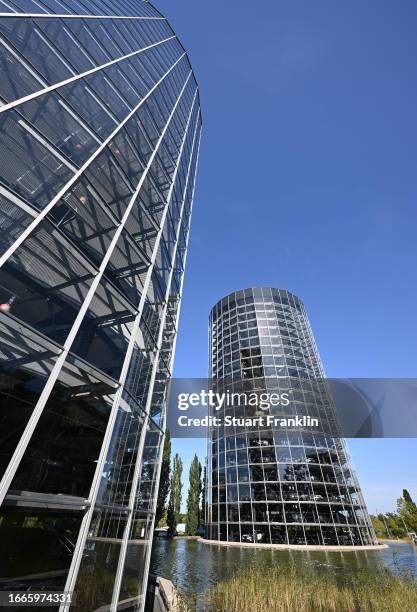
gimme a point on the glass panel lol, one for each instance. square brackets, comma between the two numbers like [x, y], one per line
[45, 541]
[28, 167]
[133, 587]
[62, 453]
[28, 39]
[13, 221]
[116, 481]
[46, 282]
[24, 368]
[95, 581]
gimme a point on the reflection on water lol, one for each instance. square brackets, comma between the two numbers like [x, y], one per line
[192, 565]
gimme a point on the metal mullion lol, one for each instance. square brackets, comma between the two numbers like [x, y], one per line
[180, 227]
[145, 71]
[54, 49]
[138, 466]
[70, 16]
[12, 8]
[368, 522]
[110, 35]
[136, 248]
[357, 489]
[117, 45]
[137, 436]
[30, 358]
[25, 438]
[14, 2]
[67, 5]
[77, 77]
[129, 139]
[178, 312]
[119, 461]
[313, 355]
[149, 232]
[16, 200]
[23, 61]
[70, 283]
[133, 34]
[80, 172]
[44, 141]
[342, 503]
[43, 4]
[115, 221]
[22, 329]
[63, 241]
[125, 33]
[145, 133]
[83, 533]
[327, 502]
[100, 45]
[314, 350]
[158, 61]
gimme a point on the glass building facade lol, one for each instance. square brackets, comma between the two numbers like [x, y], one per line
[292, 486]
[99, 138]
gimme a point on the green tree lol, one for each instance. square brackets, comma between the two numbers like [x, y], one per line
[409, 502]
[203, 497]
[174, 505]
[378, 526]
[193, 499]
[407, 510]
[395, 525]
[164, 482]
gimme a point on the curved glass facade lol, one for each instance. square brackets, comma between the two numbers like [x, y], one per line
[270, 485]
[99, 138]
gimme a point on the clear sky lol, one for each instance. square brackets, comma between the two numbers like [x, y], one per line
[307, 181]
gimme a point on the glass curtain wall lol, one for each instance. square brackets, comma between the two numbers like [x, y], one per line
[266, 484]
[99, 138]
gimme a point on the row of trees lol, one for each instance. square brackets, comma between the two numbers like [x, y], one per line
[389, 525]
[397, 524]
[171, 485]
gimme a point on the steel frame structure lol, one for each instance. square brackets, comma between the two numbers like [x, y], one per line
[95, 217]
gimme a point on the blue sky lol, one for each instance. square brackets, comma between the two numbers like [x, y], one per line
[307, 181]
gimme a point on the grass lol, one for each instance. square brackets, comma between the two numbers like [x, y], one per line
[291, 588]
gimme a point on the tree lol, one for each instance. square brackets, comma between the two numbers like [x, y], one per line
[379, 527]
[407, 510]
[388, 525]
[174, 505]
[394, 525]
[193, 499]
[410, 504]
[164, 480]
[203, 497]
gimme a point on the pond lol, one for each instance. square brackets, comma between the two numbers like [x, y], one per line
[193, 566]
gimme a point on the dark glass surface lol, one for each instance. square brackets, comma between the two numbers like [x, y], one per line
[63, 451]
[36, 548]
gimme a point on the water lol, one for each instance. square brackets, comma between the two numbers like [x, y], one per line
[193, 566]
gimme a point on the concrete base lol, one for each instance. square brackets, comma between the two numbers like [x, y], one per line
[161, 595]
[294, 546]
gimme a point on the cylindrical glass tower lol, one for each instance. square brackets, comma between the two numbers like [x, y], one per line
[265, 484]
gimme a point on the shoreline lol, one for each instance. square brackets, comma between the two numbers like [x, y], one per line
[395, 541]
[307, 547]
